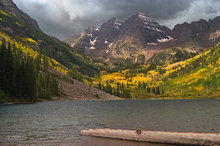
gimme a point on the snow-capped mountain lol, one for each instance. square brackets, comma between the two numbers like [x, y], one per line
[144, 31]
[139, 37]
[96, 41]
[127, 40]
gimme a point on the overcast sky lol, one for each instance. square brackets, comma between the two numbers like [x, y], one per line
[64, 18]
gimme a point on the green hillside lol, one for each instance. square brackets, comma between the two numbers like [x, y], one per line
[172, 55]
[195, 77]
[32, 62]
[20, 30]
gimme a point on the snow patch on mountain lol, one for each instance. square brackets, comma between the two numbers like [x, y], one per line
[96, 29]
[92, 48]
[153, 28]
[164, 40]
[110, 45]
[93, 42]
[152, 44]
[90, 35]
[145, 18]
[107, 60]
[117, 25]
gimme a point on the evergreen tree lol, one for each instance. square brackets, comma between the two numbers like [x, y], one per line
[114, 92]
[9, 70]
[118, 90]
[100, 86]
[148, 90]
[21, 75]
[144, 85]
[153, 90]
[139, 85]
[125, 93]
[157, 92]
[3, 60]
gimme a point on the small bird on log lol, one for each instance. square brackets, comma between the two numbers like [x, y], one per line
[139, 131]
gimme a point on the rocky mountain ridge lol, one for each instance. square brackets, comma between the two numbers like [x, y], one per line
[138, 38]
[198, 33]
[126, 41]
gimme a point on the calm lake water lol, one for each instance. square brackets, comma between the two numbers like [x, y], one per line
[60, 122]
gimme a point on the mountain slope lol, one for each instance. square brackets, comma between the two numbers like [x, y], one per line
[10, 7]
[142, 31]
[196, 77]
[115, 42]
[22, 28]
[95, 41]
[172, 55]
[61, 61]
[122, 44]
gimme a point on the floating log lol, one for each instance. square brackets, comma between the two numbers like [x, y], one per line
[182, 138]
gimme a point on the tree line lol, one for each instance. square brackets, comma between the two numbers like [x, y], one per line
[23, 77]
[124, 90]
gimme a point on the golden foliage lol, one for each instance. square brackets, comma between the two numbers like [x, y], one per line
[4, 13]
[30, 40]
[218, 61]
[19, 24]
[29, 51]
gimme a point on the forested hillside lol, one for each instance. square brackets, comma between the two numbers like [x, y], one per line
[24, 77]
[21, 28]
[35, 66]
[195, 77]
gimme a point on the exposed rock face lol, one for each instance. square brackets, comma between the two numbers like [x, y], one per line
[109, 31]
[214, 29]
[140, 37]
[10, 7]
[96, 41]
[142, 31]
[133, 41]
[199, 33]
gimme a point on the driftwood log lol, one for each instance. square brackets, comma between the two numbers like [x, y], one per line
[182, 138]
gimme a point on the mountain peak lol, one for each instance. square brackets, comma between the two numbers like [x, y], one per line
[143, 17]
[146, 24]
[117, 39]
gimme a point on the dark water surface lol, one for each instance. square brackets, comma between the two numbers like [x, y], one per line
[60, 122]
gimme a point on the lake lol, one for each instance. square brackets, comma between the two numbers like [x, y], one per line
[60, 122]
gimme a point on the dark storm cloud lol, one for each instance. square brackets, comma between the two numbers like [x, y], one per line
[64, 18]
[153, 8]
